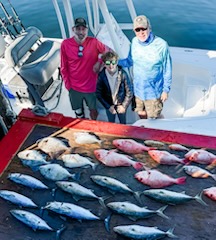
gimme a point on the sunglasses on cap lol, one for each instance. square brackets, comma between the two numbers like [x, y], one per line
[113, 62]
[80, 52]
[140, 29]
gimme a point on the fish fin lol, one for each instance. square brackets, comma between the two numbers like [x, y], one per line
[198, 198]
[102, 199]
[76, 198]
[160, 212]
[181, 180]
[132, 218]
[211, 165]
[170, 233]
[107, 222]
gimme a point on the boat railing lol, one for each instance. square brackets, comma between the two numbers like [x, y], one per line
[94, 8]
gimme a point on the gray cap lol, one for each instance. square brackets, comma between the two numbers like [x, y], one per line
[141, 21]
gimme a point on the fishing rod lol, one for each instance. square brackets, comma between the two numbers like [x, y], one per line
[16, 15]
[9, 18]
[4, 27]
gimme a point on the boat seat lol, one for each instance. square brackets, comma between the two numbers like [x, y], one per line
[34, 60]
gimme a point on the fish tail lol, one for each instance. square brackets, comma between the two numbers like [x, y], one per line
[76, 176]
[101, 201]
[181, 180]
[211, 165]
[160, 212]
[94, 166]
[213, 176]
[138, 165]
[137, 196]
[198, 198]
[170, 233]
[59, 231]
[107, 222]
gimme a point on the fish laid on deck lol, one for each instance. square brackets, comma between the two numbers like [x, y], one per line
[53, 146]
[178, 147]
[153, 143]
[200, 156]
[210, 192]
[86, 138]
[164, 157]
[130, 146]
[32, 158]
[27, 181]
[134, 212]
[55, 172]
[78, 191]
[77, 160]
[17, 198]
[198, 172]
[171, 197]
[31, 220]
[111, 158]
[142, 232]
[156, 179]
[71, 210]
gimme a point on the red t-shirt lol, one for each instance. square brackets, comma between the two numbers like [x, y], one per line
[77, 72]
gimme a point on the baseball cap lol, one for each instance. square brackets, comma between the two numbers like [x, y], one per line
[80, 22]
[141, 21]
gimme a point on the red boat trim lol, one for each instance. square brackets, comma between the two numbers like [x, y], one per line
[11, 143]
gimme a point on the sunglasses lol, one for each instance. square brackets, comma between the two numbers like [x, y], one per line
[113, 62]
[140, 29]
[80, 52]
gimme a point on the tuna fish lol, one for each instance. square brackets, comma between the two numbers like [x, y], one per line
[55, 172]
[200, 156]
[198, 172]
[111, 158]
[31, 220]
[133, 211]
[71, 210]
[171, 197]
[76, 160]
[27, 181]
[17, 199]
[86, 138]
[32, 158]
[142, 232]
[156, 179]
[178, 147]
[78, 191]
[164, 157]
[210, 192]
[113, 185]
[53, 146]
[130, 146]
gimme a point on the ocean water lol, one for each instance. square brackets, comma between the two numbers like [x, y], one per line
[187, 23]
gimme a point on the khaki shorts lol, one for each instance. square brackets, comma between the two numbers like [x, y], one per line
[152, 107]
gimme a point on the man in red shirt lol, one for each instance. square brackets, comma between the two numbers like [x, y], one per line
[80, 65]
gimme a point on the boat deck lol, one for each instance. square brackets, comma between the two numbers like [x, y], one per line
[191, 220]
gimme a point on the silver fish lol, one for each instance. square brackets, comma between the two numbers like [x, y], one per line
[76, 160]
[171, 197]
[55, 172]
[154, 143]
[17, 198]
[78, 191]
[86, 138]
[31, 220]
[27, 181]
[135, 212]
[198, 172]
[71, 210]
[32, 158]
[52, 146]
[142, 232]
[114, 185]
